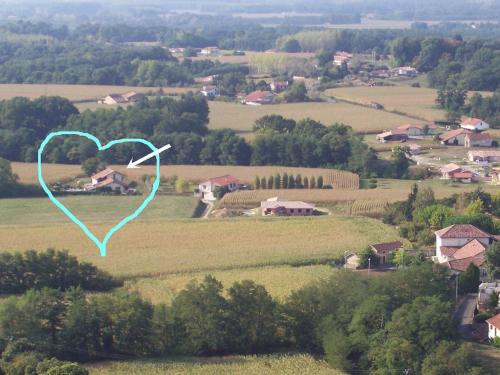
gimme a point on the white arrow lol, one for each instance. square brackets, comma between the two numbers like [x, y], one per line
[134, 164]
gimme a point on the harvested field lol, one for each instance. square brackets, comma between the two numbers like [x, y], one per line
[76, 93]
[27, 172]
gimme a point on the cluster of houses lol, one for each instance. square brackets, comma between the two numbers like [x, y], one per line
[470, 134]
[206, 51]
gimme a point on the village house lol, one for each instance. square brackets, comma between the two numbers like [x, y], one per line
[478, 140]
[383, 250]
[474, 124]
[448, 169]
[208, 51]
[109, 179]
[493, 327]
[209, 91]
[279, 86]
[207, 188]
[459, 245]
[454, 137]
[417, 130]
[259, 97]
[484, 157]
[485, 293]
[392, 136]
[282, 207]
[341, 57]
[129, 97]
[405, 71]
[414, 149]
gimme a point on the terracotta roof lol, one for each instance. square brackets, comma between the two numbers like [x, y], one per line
[223, 180]
[461, 231]
[258, 95]
[462, 264]
[387, 246]
[461, 174]
[449, 250]
[494, 321]
[470, 249]
[479, 136]
[452, 134]
[450, 168]
[106, 182]
[484, 153]
[103, 173]
[471, 121]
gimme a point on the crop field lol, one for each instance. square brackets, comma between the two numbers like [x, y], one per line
[76, 92]
[418, 102]
[27, 172]
[362, 119]
[387, 191]
[93, 209]
[164, 246]
[279, 281]
[284, 364]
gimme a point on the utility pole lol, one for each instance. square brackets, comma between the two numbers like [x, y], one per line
[369, 265]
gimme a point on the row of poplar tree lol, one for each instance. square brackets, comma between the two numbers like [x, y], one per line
[287, 181]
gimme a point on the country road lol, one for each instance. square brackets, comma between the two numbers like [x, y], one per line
[464, 314]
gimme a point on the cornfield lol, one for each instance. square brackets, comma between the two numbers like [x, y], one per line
[371, 208]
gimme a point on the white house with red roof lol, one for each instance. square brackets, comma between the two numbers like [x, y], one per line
[259, 97]
[474, 124]
[454, 137]
[493, 327]
[342, 56]
[206, 188]
[108, 178]
[459, 245]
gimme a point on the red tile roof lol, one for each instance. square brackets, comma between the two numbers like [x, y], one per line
[449, 250]
[462, 264]
[452, 134]
[223, 180]
[471, 121]
[258, 95]
[108, 181]
[494, 321]
[461, 174]
[461, 231]
[471, 249]
[387, 246]
[103, 173]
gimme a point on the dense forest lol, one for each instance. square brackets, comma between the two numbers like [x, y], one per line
[357, 322]
[181, 122]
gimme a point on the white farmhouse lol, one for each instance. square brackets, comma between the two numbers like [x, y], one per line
[474, 124]
[206, 189]
[494, 327]
[108, 178]
[459, 241]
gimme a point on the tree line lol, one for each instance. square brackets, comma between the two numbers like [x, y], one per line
[357, 322]
[288, 181]
[181, 122]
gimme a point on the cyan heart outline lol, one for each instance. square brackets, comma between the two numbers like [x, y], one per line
[100, 244]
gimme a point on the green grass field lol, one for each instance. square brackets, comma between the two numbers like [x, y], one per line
[293, 364]
[362, 119]
[279, 281]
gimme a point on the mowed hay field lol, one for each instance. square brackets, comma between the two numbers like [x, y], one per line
[291, 364]
[76, 92]
[242, 117]
[413, 101]
[166, 246]
[279, 281]
[27, 172]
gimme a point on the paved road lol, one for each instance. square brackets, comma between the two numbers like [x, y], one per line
[464, 314]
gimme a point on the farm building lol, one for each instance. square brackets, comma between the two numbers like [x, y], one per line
[209, 51]
[207, 188]
[259, 97]
[493, 327]
[405, 71]
[459, 245]
[419, 129]
[448, 169]
[478, 140]
[341, 57]
[382, 250]
[209, 91]
[283, 207]
[129, 97]
[107, 178]
[454, 137]
[484, 157]
[279, 86]
[474, 124]
[392, 136]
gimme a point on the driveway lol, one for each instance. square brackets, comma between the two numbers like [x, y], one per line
[464, 314]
